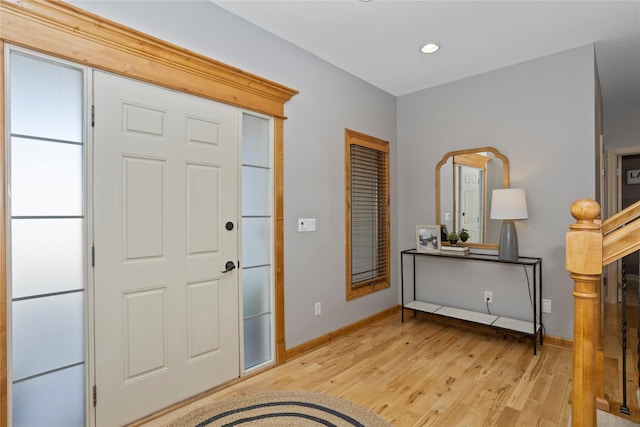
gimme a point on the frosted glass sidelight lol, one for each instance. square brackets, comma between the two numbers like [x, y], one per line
[255, 191]
[52, 400]
[256, 242]
[46, 99]
[257, 341]
[255, 141]
[47, 333]
[256, 290]
[46, 256]
[46, 178]
[46, 183]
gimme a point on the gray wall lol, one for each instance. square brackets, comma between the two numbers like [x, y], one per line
[622, 126]
[540, 114]
[330, 100]
[622, 129]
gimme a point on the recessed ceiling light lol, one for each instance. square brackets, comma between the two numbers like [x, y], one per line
[430, 48]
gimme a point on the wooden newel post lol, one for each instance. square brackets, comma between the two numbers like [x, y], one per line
[584, 262]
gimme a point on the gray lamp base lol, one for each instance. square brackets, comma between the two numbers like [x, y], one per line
[508, 249]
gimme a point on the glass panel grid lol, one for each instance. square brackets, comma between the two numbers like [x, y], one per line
[46, 239]
[46, 256]
[47, 333]
[46, 98]
[255, 141]
[55, 399]
[255, 191]
[257, 245]
[256, 286]
[46, 178]
[257, 341]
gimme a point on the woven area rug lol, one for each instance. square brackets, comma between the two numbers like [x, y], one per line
[282, 408]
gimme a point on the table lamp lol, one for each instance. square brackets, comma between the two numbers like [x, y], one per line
[508, 204]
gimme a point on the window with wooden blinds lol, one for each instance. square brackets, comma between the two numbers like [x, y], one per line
[367, 206]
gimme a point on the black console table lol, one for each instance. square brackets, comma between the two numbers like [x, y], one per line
[533, 329]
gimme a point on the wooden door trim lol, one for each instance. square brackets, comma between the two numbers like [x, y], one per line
[62, 30]
[59, 29]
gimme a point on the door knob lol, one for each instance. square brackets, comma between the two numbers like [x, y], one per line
[228, 267]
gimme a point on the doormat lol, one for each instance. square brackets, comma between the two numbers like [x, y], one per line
[282, 408]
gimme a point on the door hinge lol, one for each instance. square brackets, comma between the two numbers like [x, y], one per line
[95, 396]
[93, 256]
[93, 116]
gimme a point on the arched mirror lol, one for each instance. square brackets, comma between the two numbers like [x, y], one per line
[464, 181]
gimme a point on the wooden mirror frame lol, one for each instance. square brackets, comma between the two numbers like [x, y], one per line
[468, 153]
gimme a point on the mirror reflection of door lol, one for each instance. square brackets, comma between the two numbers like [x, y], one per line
[495, 174]
[470, 194]
[470, 202]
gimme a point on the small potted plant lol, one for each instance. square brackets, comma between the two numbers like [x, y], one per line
[463, 234]
[453, 238]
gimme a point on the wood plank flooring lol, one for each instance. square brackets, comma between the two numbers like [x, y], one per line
[426, 373]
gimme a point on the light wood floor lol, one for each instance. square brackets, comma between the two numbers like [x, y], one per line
[424, 373]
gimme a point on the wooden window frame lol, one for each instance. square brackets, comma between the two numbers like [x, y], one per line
[381, 282]
[59, 29]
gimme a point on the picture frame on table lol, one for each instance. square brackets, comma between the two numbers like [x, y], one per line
[428, 238]
[444, 233]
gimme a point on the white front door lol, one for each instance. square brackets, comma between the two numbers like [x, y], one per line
[165, 209]
[470, 202]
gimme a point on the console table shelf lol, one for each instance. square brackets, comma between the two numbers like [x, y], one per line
[533, 328]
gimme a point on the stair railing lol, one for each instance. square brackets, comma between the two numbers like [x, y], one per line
[591, 245]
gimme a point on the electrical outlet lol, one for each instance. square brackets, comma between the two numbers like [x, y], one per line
[546, 306]
[488, 297]
[318, 309]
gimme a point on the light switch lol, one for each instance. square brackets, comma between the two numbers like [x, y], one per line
[306, 224]
[447, 216]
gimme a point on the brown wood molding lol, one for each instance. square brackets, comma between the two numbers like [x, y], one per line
[339, 333]
[62, 30]
[559, 342]
[278, 250]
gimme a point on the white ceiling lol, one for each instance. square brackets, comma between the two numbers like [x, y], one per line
[379, 41]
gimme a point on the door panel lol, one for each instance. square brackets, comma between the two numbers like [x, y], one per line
[471, 195]
[165, 184]
[204, 336]
[143, 210]
[202, 230]
[144, 321]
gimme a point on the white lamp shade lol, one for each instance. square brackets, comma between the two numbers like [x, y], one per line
[509, 203]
